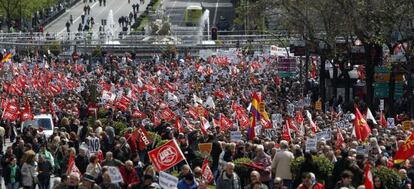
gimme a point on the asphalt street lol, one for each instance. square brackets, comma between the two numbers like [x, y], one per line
[119, 8]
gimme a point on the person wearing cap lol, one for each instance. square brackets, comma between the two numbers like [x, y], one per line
[187, 182]
[88, 182]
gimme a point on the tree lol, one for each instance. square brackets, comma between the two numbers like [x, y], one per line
[374, 22]
[17, 9]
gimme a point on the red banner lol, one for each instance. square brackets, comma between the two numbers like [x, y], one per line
[405, 150]
[206, 171]
[143, 139]
[166, 156]
[167, 114]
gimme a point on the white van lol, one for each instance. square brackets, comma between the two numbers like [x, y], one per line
[44, 121]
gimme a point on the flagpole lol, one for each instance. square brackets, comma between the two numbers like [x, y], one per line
[185, 159]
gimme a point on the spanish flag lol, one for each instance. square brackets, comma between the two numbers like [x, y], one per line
[258, 112]
[6, 57]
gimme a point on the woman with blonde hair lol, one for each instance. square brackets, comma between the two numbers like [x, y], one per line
[150, 171]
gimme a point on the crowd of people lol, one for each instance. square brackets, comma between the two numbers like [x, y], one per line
[219, 89]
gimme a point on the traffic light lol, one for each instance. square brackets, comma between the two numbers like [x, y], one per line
[214, 33]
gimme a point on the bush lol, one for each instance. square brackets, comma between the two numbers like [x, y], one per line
[119, 126]
[161, 142]
[199, 158]
[102, 112]
[390, 178]
[324, 164]
[155, 138]
[242, 170]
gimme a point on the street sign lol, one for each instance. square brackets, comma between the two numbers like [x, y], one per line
[398, 90]
[381, 90]
[287, 67]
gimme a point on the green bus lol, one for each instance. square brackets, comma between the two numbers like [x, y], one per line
[192, 15]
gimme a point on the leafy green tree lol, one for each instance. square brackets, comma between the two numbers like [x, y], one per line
[15, 9]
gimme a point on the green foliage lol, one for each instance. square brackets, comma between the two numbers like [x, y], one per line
[324, 164]
[102, 113]
[119, 126]
[241, 169]
[161, 142]
[199, 158]
[14, 9]
[389, 177]
[155, 138]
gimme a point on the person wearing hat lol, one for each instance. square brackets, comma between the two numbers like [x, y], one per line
[88, 182]
[187, 182]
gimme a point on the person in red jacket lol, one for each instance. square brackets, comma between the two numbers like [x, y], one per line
[309, 182]
[129, 174]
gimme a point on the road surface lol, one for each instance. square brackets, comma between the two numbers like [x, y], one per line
[119, 8]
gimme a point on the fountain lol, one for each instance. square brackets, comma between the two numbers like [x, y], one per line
[111, 24]
[204, 20]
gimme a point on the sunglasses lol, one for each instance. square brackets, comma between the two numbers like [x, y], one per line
[277, 183]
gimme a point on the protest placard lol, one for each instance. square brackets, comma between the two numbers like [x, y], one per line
[115, 175]
[390, 122]
[311, 144]
[205, 147]
[235, 136]
[167, 181]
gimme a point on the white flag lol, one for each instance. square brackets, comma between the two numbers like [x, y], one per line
[370, 116]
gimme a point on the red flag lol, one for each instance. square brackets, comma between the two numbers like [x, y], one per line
[192, 112]
[167, 114]
[72, 166]
[405, 150]
[138, 114]
[383, 121]
[225, 122]
[143, 139]
[11, 111]
[286, 132]
[362, 129]
[267, 124]
[204, 125]
[155, 119]
[206, 171]
[166, 156]
[26, 113]
[243, 120]
[298, 117]
[188, 124]
[291, 125]
[339, 139]
[170, 87]
[219, 94]
[178, 125]
[368, 182]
